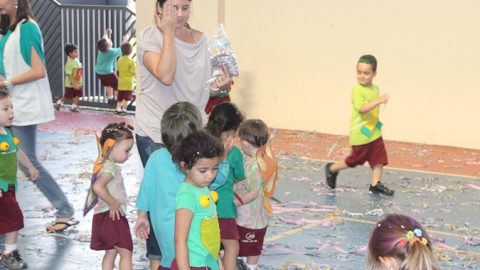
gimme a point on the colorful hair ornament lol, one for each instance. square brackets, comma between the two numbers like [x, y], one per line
[268, 166]
[417, 232]
[410, 235]
[403, 243]
[416, 236]
[103, 153]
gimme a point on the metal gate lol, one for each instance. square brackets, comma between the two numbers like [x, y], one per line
[82, 25]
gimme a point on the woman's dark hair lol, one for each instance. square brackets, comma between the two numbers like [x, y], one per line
[369, 59]
[224, 117]
[69, 48]
[3, 94]
[254, 131]
[24, 12]
[403, 238]
[196, 146]
[126, 48]
[116, 131]
[161, 2]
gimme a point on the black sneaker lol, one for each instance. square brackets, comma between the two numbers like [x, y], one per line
[380, 188]
[57, 106]
[13, 261]
[111, 101]
[331, 176]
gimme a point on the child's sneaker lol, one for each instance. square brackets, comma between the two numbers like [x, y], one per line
[111, 101]
[13, 261]
[118, 112]
[74, 109]
[380, 188]
[57, 106]
[331, 176]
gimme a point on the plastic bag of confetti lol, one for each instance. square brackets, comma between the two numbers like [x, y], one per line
[221, 52]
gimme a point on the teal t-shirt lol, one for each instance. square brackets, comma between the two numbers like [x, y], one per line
[106, 61]
[366, 127]
[160, 183]
[30, 36]
[204, 236]
[8, 161]
[225, 206]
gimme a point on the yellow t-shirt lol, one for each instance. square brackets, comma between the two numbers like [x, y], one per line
[126, 73]
[364, 128]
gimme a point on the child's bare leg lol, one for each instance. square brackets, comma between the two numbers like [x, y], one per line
[338, 166]
[76, 100]
[124, 105]
[231, 251]
[377, 174]
[109, 91]
[11, 239]
[125, 258]
[252, 262]
[109, 259]
[119, 106]
[154, 264]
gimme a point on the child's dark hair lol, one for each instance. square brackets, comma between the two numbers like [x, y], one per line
[69, 48]
[254, 131]
[126, 48]
[117, 131]
[196, 146]
[404, 239]
[102, 45]
[369, 59]
[179, 120]
[224, 117]
[3, 94]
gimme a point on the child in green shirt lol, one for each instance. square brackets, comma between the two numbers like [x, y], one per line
[73, 79]
[365, 129]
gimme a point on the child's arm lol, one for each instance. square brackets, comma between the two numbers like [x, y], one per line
[107, 33]
[23, 159]
[372, 105]
[73, 81]
[183, 220]
[246, 198]
[99, 187]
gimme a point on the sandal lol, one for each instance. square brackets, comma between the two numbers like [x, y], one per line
[51, 229]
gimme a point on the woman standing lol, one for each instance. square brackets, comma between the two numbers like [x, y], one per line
[174, 64]
[22, 66]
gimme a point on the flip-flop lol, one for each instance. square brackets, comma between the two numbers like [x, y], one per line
[67, 225]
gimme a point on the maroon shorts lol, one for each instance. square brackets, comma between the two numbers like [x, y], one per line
[214, 101]
[70, 92]
[109, 80]
[175, 267]
[11, 217]
[251, 241]
[108, 234]
[228, 229]
[124, 95]
[373, 152]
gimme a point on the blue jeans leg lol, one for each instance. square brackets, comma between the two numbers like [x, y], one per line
[146, 146]
[45, 182]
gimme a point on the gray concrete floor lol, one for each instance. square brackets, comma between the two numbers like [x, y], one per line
[313, 227]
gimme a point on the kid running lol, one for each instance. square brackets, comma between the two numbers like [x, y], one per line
[126, 78]
[197, 235]
[365, 129]
[11, 217]
[251, 195]
[107, 195]
[73, 79]
[223, 123]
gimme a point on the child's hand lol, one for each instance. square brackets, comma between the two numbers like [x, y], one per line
[1, 193]
[116, 210]
[75, 86]
[142, 227]
[384, 98]
[126, 37]
[166, 19]
[108, 31]
[33, 173]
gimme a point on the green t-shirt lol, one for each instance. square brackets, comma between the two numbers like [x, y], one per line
[73, 68]
[8, 161]
[225, 206]
[364, 128]
[204, 236]
[126, 73]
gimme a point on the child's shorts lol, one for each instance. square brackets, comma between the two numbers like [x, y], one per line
[251, 241]
[228, 228]
[373, 152]
[214, 101]
[175, 267]
[70, 92]
[109, 80]
[124, 95]
[108, 234]
[11, 217]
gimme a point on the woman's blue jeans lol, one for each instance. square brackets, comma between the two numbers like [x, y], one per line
[45, 183]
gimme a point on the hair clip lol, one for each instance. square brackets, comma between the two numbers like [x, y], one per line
[418, 232]
[410, 235]
[403, 243]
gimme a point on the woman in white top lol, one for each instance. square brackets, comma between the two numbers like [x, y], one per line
[22, 66]
[174, 65]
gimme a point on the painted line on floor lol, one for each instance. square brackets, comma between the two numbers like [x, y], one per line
[403, 169]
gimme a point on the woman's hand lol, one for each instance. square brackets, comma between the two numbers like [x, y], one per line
[116, 210]
[166, 18]
[142, 227]
[223, 82]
